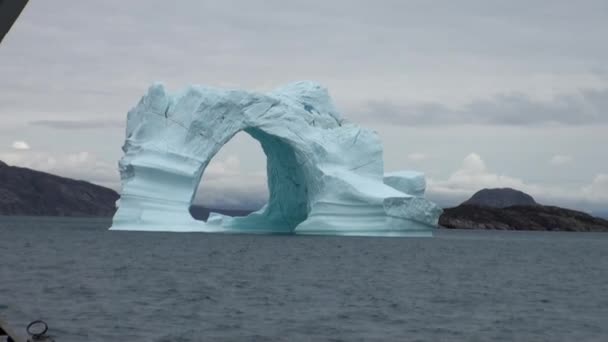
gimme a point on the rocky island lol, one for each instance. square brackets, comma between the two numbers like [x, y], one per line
[510, 209]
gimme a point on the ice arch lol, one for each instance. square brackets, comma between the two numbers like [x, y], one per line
[325, 175]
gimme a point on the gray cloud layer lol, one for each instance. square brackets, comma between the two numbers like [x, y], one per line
[77, 124]
[68, 59]
[588, 106]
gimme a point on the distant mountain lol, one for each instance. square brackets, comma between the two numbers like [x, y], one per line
[510, 209]
[500, 198]
[602, 214]
[33, 193]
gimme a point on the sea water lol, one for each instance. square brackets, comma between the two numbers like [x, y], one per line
[90, 284]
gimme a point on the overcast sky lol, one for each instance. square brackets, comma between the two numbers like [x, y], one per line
[474, 93]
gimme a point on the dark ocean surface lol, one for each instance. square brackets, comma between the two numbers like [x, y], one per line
[91, 284]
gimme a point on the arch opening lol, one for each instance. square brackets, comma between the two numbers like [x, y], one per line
[279, 191]
[234, 183]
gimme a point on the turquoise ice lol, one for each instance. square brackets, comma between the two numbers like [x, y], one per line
[325, 174]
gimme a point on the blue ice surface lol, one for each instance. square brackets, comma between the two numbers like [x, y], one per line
[325, 174]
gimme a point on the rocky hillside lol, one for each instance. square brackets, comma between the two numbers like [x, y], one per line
[490, 209]
[34, 193]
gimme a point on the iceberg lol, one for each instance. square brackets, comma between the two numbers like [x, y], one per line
[325, 174]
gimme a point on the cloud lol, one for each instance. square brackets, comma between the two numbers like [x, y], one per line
[79, 165]
[598, 189]
[20, 145]
[104, 65]
[226, 185]
[77, 124]
[560, 159]
[473, 175]
[586, 106]
[417, 156]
